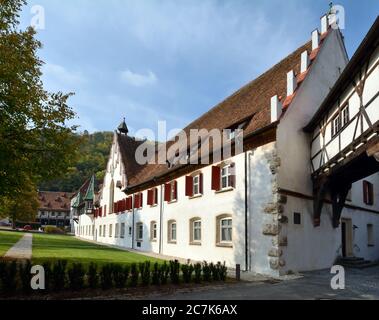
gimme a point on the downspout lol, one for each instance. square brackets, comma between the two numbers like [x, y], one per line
[132, 221]
[161, 221]
[246, 218]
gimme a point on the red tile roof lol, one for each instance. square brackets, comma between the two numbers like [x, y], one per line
[251, 102]
[54, 201]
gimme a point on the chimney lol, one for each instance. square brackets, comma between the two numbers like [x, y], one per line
[291, 83]
[324, 24]
[276, 108]
[304, 61]
[315, 39]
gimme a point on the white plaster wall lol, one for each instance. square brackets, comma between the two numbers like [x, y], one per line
[293, 144]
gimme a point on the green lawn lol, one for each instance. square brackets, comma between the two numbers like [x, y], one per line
[54, 247]
[8, 239]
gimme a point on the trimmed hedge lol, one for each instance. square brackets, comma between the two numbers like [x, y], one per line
[15, 277]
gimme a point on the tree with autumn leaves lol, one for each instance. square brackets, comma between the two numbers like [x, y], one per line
[36, 144]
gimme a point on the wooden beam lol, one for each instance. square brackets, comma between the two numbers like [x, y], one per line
[371, 151]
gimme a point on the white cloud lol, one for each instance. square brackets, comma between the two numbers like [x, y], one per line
[138, 79]
[58, 78]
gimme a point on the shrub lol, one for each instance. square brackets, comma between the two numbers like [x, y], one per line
[197, 269]
[106, 274]
[25, 276]
[223, 271]
[47, 268]
[120, 275]
[174, 271]
[2, 271]
[164, 271]
[187, 270]
[58, 275]
[93, 277]
[144, 268]
[133, 275]
[207, 273]
[8, 276]
[53, 230]
[76, 276]
[156, 278]
[215, 272]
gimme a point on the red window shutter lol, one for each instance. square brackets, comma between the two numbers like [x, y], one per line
[232, 177]
[127, 203]
[155, 196]
[167, 192]
[189, 186]
[216, 176]
[201, 183]
[175, 190]
[150, 197]
[136, 200]
[130, 202]
[141, 200]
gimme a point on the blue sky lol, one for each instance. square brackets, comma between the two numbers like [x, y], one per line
[150, 60]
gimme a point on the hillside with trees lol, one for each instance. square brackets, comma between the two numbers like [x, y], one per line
[92, 158]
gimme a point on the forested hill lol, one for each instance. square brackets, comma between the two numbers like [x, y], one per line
[92, 158]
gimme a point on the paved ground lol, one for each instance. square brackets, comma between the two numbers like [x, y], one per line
[360, 284]
[22, 249]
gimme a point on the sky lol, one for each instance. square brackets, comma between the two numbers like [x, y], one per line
[168, 60]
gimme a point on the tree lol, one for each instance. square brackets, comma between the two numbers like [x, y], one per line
[22, 205]
[35, 142]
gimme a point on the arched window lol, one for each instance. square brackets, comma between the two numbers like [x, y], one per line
[172, 231]
[224, 230]
[111, 197]
[195, 231]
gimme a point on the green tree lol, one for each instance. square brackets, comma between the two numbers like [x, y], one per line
[35, 141]
[22, 205]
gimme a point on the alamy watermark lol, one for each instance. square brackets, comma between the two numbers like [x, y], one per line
[38, 21]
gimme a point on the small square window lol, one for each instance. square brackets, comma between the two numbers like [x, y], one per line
[296, 218]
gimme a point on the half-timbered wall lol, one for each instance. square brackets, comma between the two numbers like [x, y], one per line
[339, 129]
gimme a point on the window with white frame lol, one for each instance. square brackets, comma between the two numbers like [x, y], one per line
[110, 230]
[172, 231]
[153, 231]
[122, 230]
[173, 191]
[196, 185]
[196, 231]
[139, 231]
[226, 176]
[226, 230]
[340, 120]
[104, 230]
[116, 231]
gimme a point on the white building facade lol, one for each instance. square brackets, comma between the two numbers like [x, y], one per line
[254, 208]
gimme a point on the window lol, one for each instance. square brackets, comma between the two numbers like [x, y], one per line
[226, 230]
[226, 176]
[139, 231]
[104, 230]
[130, 231]
[122, 231]
[111, 197]
[172, 231]
[110, 230]
[153, 231]
[296, 218]
[196, 231]
[370, 235]
[116, 232]
[152, 197]
[340, 120]
[100, 234]
[170, 193]
[196, 185]
[368, 193]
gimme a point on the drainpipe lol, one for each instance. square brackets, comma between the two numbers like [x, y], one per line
[246, 218]
[133, 221]
[161, 221]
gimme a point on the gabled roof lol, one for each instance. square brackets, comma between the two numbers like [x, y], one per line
[251, 103]
[85, 192]
[54, 201]
[90, 193]
[368, 45]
